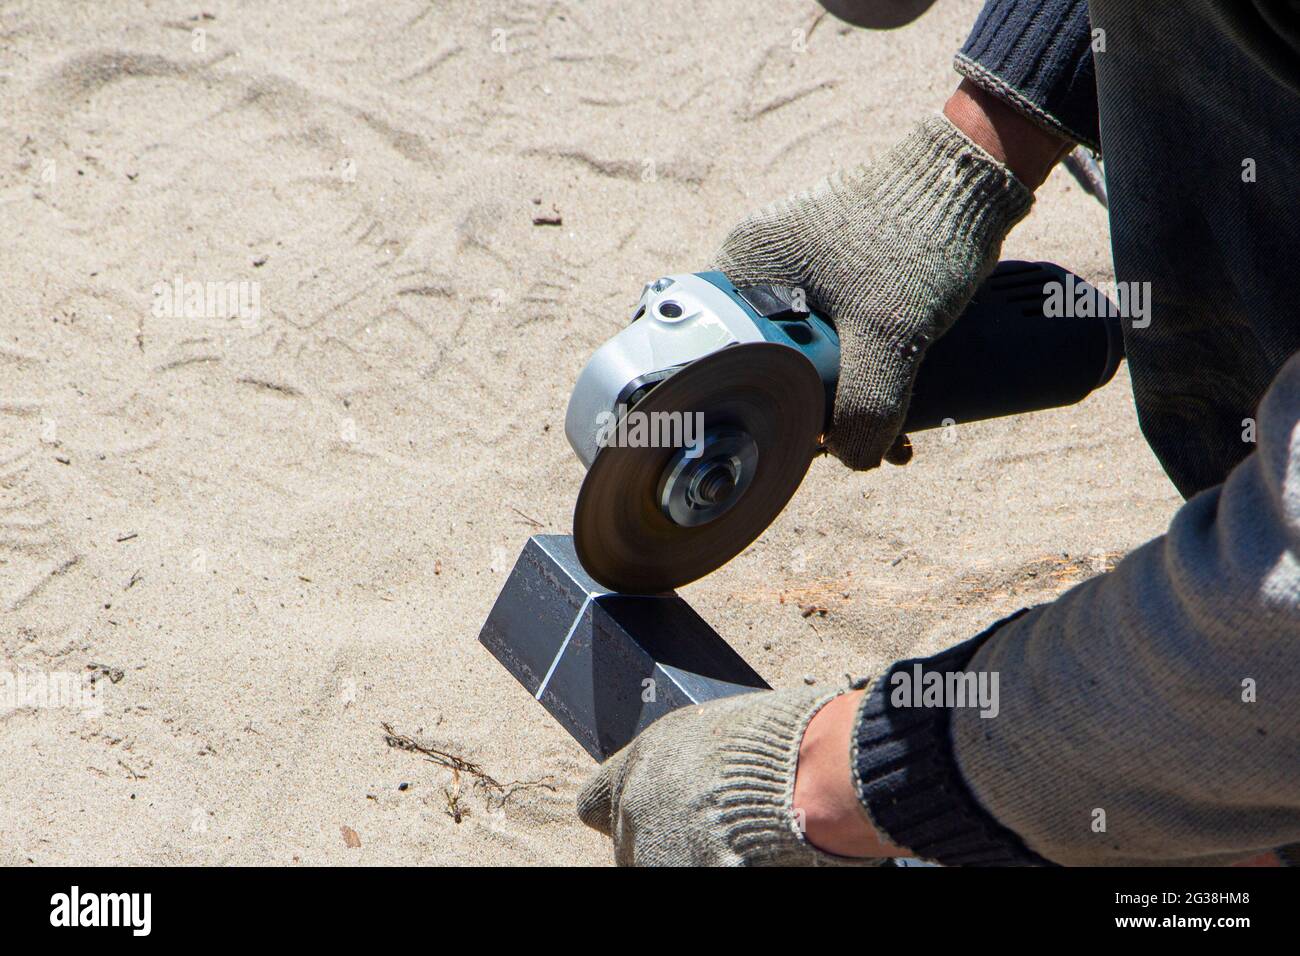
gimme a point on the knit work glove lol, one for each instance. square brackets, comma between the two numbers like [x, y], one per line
[891, 254]
[709, 786]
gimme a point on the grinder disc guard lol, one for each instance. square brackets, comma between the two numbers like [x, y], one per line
[762, 407]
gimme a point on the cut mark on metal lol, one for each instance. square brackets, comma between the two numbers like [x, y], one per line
[582, 612]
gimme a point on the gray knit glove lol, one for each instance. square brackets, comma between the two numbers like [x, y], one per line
[891, 254]
[709, 786]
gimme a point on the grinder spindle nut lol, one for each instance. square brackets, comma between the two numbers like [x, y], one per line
[698, 489]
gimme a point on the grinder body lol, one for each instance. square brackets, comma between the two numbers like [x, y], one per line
[1003, 356]
[757, 355]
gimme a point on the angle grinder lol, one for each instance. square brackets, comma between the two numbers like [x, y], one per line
[698, 421]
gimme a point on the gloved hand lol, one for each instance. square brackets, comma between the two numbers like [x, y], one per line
[891, 254]
[710, 785]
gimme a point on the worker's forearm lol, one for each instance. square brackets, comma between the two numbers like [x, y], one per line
[1037, 56]
[1024, 147]
[825, 797]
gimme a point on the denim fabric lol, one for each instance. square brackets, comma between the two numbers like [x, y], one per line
[1186, 116]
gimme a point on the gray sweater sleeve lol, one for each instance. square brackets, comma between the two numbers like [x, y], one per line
[1161, 700]
[1148, 716]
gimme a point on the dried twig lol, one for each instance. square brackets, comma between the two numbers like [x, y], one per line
[452, 793]
[515, 786]
[458, 765]
[532, 521]
[440, 757]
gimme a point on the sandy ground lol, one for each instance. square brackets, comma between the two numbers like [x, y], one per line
[269, 534]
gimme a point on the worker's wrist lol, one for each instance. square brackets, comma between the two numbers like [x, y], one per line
[826, 800]
[906, 771]
[1024, 147]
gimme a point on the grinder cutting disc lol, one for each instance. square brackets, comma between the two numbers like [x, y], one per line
[763, 408]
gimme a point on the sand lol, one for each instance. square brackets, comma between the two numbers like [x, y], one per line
[270, 533]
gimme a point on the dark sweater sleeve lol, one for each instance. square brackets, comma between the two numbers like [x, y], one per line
[1036, 55]
[908, 779]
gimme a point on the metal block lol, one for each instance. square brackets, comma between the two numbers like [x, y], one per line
[605, 665]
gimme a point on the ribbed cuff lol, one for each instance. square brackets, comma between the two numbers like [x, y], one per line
[759, 756]
[758, 765]
[907, 775]
[939, 180]
[1036, 55]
